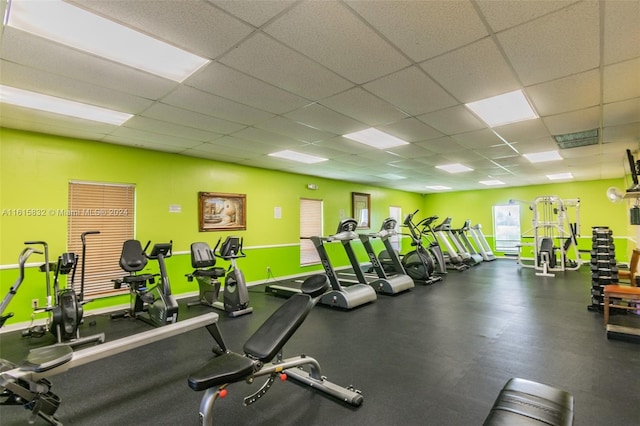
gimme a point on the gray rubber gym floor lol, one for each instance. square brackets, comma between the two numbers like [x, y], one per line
[435, 355]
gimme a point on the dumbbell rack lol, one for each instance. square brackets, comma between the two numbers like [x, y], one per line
[603, 265]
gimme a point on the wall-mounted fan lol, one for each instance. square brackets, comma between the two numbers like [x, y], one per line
[615, 195]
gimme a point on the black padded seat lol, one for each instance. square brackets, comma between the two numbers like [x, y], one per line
[137, 278]
[526, 403]
[214, 272]
[226, 368]
[269, 339]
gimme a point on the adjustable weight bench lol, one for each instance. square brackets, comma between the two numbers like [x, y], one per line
[259, 353]
[525, 403]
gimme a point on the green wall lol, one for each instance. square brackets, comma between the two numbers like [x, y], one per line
[35, 170]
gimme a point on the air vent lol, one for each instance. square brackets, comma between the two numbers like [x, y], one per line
[574, 140]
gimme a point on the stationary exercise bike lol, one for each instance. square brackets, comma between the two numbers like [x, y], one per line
[419, 263]
[65, 306]
[235, 297]
[149, 301]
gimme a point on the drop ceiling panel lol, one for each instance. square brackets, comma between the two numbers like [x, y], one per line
[410, 130]
[503, 14]
[255, 148]
[473, 72]
[498, 151]
[41, 54]
[478, 139]
[268, 138]
[412, 91]
[413, 150]
[257, 13]
[262, 57]
[293, 129]
[187, 118]
[621, 34]
[628, 133]
[325, 119]
[215, 106]
[188, 26]
[576, 121]
[423, 29]
[170, 129]
[453, 120]
[171, 142]
[622, 81]
[344, 145]
[364, 107]
[42, 120]
[442, 145]
[528, 130]
[623, 112]
[539, 145]
[531, 47]
[221, 152]
[228, 83]
[333, 35]
[566, 94]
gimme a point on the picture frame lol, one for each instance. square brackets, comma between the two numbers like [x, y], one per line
[221, 212]
[361, 209]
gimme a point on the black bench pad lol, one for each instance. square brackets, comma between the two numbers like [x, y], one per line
[269, 339]
[226, 368]
[525, 403]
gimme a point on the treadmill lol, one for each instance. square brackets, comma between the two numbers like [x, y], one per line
[385, 283]
[340, 295]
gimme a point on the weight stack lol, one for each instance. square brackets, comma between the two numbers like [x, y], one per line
[603, 265]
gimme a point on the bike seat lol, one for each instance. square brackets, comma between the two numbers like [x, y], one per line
[226, 368]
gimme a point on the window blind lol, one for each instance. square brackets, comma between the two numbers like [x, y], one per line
[310, 225]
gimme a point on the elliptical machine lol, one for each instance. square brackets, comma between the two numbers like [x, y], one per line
[65, 306]
[235, 297]
[22, 259]
[148, 301]
[419, 263]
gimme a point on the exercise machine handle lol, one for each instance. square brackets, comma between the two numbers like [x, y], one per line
[84, 234]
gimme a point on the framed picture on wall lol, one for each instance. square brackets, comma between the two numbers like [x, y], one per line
[361, 209]
[222, 212]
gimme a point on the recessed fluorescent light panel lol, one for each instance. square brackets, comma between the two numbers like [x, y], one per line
[454, 168]
[297, 156]
[438, 187]
[75, 27]
[391, 176]
[560, 176]
[33, 100]
[375, 138]
[492, 182]
[540, 157]
[504, 109]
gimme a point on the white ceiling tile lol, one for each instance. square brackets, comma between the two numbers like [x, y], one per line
[503, 14]
[478, 139]
[622, 81]
[255, 12]
[363, 106]
[423, 29]
[228, 83]
[621, 34]
[333, 35]
[268, 138]
[623, 112]
[527, 130]
[293, 129]
[221, 152]
[325, 119]
[411, 90]
[262, 57]
[343, 144]
[187, 118]
[457, 119]
[536, 53]
[53, 124]
[442, 145]
[411, 130]
[244, 145]
[215, 106]
[571, 93]
[473, 72]
[171, 142]
[497, 151]
[171, 129]
[627, 133]
[412, 150]
[576, 121]
[538, 145]
[188, 26]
